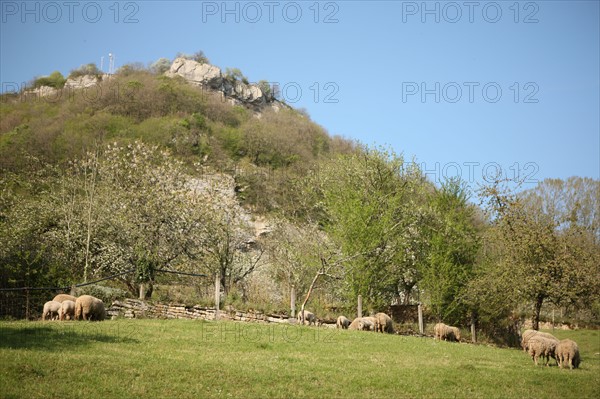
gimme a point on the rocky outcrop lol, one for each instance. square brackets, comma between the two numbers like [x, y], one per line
[205, 75]
[81, 82]
[211, 77]
[51, 93]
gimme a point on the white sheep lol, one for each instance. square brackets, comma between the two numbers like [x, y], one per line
[366, 325]
[67, 310]
[446, 332]
[542, 346]
[64, 297]
[528, 334]
[384, 323]
[567, 353]
[309, 318]
[342, 322]
[354, 324]
[51, 309]
[89, 308]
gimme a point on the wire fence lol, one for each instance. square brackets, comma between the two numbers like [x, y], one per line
[28, 302]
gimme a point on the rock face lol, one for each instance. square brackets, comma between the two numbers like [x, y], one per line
[200, 74]
[81, 82]
[211, 77]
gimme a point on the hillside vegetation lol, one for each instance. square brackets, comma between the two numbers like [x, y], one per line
[146, 172]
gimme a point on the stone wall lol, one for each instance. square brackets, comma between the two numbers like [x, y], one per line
[134, 308]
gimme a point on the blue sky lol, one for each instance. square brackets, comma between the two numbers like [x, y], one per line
[463, 87]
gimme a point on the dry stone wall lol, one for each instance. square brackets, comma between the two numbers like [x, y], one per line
[134, 308]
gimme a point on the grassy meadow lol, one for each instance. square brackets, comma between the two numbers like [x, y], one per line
[199, 359]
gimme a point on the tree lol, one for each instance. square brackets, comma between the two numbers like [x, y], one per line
[234, 74]
[301, 255]
[452, 251]
[571, 202]
[88, 69]
[227, 242]
[55, 80]
[540, 259]
[199, 56]
[160, 66]
[124, 207]
[360, 200]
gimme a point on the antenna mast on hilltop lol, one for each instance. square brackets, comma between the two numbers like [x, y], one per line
[111, 63]
[102, 64]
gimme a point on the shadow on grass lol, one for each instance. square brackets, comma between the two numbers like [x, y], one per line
[57, 336]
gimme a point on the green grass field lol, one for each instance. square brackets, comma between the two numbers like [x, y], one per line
[197, 359]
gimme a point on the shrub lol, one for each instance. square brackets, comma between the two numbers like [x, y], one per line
[233, 74]
[161, 66]
[88, 69]
[198, 56]
[265, 87]
[56, 80]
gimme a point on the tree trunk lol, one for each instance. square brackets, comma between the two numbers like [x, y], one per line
[224, 285]
[312, 285]
[149, 289]
[536, 312]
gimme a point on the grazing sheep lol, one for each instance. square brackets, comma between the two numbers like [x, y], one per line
[374, 322]
[366, 325]
[542, 346]
[309, 318]
[51, 309]
[89, 308]
[384, 323]
[342, 322]
[67, 310]
[354, 324]
[363, 324]
[64, 297]
[445, 332]
[528, 334]
[567, 351]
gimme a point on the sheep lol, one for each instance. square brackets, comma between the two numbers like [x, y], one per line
[374, 323]
[309, 318]
[67, 310]
[365, 324]
[51, 309]
[528, 334]
[542, 346]
[354, 324]
[567, 351]
[342, 322]
[445, 332]
[384, 323]
[64, 297]
[89, 308]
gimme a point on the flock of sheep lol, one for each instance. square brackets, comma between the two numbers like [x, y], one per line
[537, 344]
[545, 345]
[68, 307]
[381, 322]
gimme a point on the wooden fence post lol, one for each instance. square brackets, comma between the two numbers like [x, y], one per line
[473, 330]
[421, 327]
[293, 302]
[217, 295]
[359, 307]
[142, 291]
